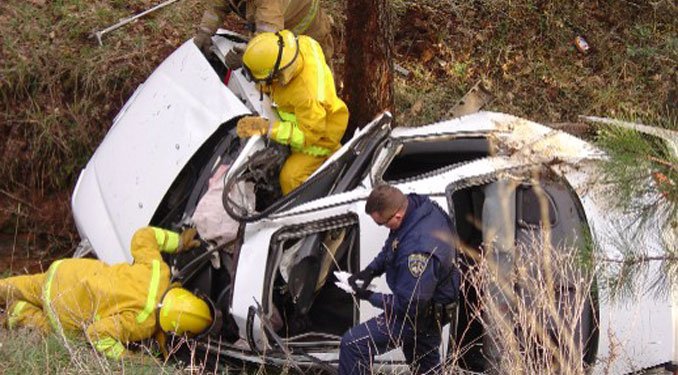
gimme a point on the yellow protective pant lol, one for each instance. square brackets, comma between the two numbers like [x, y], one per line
[297, 168]
[22, 295]
[24, 314]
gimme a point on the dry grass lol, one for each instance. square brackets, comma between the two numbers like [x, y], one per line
[524, 51]
[27, 352]
[532, 326]
[532, 295]
[59, 92]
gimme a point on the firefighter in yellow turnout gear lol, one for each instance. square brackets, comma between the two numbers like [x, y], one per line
[311, 118]
[113, 305]
[300, 16]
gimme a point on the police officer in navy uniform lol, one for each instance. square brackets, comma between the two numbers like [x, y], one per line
[418, 259]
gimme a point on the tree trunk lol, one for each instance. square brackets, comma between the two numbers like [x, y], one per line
[368, 69]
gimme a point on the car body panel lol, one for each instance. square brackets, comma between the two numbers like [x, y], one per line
[168, 118]
[536, 144]
[644, 329]
[184, 103]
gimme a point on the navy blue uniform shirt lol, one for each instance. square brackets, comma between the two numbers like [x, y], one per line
[418, 259]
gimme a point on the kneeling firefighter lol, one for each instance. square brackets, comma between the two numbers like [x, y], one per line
[311, 118]
[111, 304]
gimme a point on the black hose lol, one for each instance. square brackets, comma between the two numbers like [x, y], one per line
[190, 269]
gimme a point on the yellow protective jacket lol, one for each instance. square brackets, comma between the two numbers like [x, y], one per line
[312, 118]
[299, 16]
[112, 305]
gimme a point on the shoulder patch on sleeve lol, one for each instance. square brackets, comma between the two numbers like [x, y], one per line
[416, 263]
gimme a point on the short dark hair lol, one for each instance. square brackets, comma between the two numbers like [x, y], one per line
[383, 199]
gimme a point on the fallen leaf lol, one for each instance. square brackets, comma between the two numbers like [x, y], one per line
[426, 55]
[417, 107]
[420, 25]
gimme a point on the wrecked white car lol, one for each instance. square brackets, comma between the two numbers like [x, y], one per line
[514, 188]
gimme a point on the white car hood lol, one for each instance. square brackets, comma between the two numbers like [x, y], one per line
[155, 134]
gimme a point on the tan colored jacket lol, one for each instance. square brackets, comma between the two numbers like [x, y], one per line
[299, 16]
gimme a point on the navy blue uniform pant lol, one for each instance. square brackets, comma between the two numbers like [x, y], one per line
[380, 334]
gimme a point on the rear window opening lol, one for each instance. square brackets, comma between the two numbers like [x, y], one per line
[480, 210]
[534, 206]
[418, 158]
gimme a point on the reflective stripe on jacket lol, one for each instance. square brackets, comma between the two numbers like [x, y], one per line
[15, 314]
[310, 15]
[287, 132]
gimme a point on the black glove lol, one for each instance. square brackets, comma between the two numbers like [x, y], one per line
[366, 277]
[363, 293]
[203, 39]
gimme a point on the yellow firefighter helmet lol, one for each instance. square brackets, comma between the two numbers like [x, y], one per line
[182, 312]
[268, 54]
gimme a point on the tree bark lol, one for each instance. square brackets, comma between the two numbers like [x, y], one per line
[368, 69]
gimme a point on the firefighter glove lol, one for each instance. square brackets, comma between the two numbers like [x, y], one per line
[251, 125]
[203, 39]
[187, 240]
[233, 58]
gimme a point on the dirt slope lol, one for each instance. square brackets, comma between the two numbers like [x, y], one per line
[59, 91]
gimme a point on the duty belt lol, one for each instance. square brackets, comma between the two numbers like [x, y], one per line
[444, 313]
